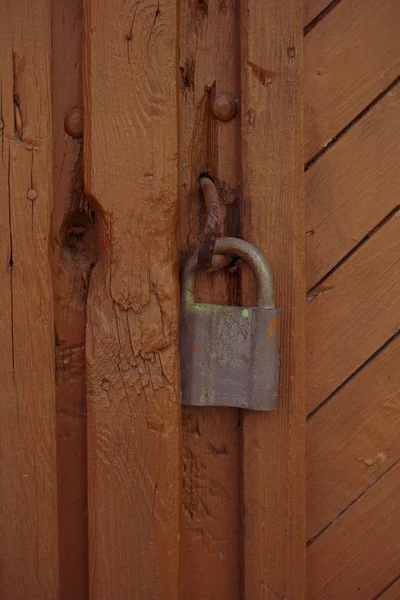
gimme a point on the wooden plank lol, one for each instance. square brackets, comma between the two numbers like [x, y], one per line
[392, 593]
[72, 237]
[358, 555]
[211, 488]
[338, 89]
[273, 217]
[133, 396]
[312, 8]
[353, 313]
[352, 187]
[28, 478]
[353, 439]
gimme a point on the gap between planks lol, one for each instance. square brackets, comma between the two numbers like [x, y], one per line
[315, 11]
[367, 275]
[336, 88]
[358, 555]
[356, 119]
[352, 188]
[315, 537]
[391, 591]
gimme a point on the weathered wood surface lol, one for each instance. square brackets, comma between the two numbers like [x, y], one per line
[312, 8]
[350, 57]
[353, 439]
[273, 219]
[392, 592]
[28, 478]
[211, 462]
[352, 187]
[72, 257]
[353, 313]
[130, 162]
[359, 554]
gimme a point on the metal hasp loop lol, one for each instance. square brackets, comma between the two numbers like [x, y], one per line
[234, 247]
[230, 354]
[213, 219]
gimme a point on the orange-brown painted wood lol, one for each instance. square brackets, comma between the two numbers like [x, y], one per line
[28, 477]
[312, 8]
[133, 396]
[353, 439]
[358, 555]
[72, 258]
[272, 219]
[350, 57]
[211, 461]
[352, 187]
[393, 592]
[353, 313]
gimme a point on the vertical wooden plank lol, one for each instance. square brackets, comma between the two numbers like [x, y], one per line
[273, 209]
[133, 396]
[28, 484]
[72, 260]
[211, 461]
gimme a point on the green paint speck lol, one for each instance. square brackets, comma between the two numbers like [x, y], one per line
[245, 313]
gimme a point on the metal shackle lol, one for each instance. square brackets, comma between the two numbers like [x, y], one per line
[233, 247]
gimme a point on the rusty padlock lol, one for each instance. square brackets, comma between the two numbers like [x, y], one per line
[230, 354]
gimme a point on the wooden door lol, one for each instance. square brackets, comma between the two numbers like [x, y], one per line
[110, 112]
[352, 143]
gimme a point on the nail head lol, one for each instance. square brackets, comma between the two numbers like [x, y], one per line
[73, 123]
[224, 106]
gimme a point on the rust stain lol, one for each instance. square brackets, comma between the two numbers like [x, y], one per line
[194, 348]
[273, 328]
[264, 76]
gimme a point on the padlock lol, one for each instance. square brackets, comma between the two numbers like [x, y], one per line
[230, 354]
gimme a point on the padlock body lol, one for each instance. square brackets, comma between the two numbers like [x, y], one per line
[229, 356]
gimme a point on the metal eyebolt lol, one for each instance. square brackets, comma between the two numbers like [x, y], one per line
[213, 219]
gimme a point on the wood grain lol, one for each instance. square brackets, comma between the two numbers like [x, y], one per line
[312, 8]
[353, 439]
[350, 57]
[359, 554]
[354, 312]
[392, 593]
[211, 481]
[130, 160]
[28, 477]
[273, 217]
[72, 258]
[352, 187]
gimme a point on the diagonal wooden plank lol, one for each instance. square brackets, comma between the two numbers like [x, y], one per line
[353, 439]
[359, 554]
[350, 57]
[273, 217]
[352, 187]
[28, 477]
[211, 453]
[353, 313]
[312, 8]
[392, 593]
[130, 166]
